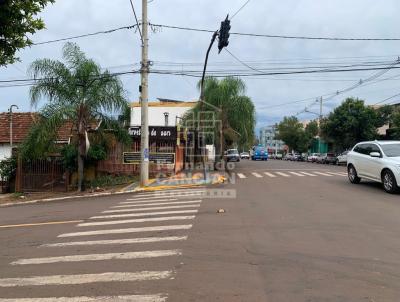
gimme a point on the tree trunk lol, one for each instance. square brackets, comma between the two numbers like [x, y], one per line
[80, 171]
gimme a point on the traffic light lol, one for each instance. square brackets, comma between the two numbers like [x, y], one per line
[224, 34]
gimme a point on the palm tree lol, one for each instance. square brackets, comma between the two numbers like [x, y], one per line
[78, 92]
[236, 111]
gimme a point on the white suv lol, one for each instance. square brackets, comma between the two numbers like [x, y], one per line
[376, 160]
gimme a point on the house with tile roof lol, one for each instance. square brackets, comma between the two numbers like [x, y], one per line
[21, 125]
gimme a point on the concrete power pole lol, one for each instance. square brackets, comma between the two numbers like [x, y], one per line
[319, 124]
[144, 95]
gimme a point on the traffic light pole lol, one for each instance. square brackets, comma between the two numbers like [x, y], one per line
[144, 95]
[202, 144]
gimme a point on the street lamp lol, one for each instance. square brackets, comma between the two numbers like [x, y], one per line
[11, 124]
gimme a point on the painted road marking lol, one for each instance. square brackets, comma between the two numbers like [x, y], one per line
[135, 220]
[98, 257]
[155, 193]
[85, 278]
[166, 194]
[240, 175]
[338, 173]
[163, 197]
[38, 224]
[151, 204]
[128, 230]
[282, 174]
[320, 173]
[131, 298]
[308, 174]
[269, 174]
[167, 205]
[144, 214]
[297, 174]
[256, 174]
[117, 241]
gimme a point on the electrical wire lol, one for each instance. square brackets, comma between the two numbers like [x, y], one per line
[247, 2]
[86, 35]
[274, 36]
[137, 22]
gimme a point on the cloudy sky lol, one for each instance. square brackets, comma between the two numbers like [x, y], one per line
[178, 50]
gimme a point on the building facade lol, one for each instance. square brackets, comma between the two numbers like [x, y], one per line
[268, 139]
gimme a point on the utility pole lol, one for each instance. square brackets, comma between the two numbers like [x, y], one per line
[319, 124]
[144, 98]
[11, 125]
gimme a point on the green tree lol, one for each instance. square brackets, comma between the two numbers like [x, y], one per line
[291, 131]
[236, 111]
[17, 19]
[78, 92]
[350, 123]
[395, 124]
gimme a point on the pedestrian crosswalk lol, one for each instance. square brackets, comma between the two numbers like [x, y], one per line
[143, 226]
[289, 174]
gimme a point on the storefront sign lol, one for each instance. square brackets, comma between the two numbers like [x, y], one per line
[157, 158]
[155, 132]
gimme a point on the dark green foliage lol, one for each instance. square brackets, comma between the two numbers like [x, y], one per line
[110, 180]
[351, 123]
[8, 168]
[291, 131]
[17, 20]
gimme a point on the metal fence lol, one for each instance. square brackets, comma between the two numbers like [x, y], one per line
[42, 175]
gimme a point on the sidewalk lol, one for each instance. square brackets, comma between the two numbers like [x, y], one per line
[181, 180]
[185, 179]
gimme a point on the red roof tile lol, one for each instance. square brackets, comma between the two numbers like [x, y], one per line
[22, 122]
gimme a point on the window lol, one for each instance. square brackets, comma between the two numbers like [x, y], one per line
[391, 150]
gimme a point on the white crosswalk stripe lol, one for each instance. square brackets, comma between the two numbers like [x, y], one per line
[257, 174]
[130, 298]
[117, 241]
[144, 214]
[155, 193]
[338, 173]
[128, 230]
[192, 204]
[270, 174]
[85, 278]
[139, 220]
[308, 174]
[282, 174]
[297, 174]
[321, 173]
[240, 175]
[97, 257]
[147, 208]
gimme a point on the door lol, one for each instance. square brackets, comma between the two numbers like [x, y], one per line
[360, 159]
[374, 164]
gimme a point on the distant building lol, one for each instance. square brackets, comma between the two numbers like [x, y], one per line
[268, 139]
[161, 113]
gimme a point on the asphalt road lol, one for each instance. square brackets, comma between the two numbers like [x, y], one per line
[294, 232]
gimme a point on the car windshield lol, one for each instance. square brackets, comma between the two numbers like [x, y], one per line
[233, 152]
[391, 150]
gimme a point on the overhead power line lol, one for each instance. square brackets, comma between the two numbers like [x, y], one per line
[247, 2]
[137, 22]
[109, 31]
[275, 36]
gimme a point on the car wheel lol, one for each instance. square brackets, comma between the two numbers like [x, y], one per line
[352, 174]
[389, 182]
[337, 162]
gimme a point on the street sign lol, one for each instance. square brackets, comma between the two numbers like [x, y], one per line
[155, 132]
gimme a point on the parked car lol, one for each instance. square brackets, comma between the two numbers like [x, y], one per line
[278, 156]
[259, 152]
[245, 155]
[321, 158]
[288, 156]
[303, 157]
[313, 157]
[342, 158]
[330, 158]
[376, 160]
[232, 155]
